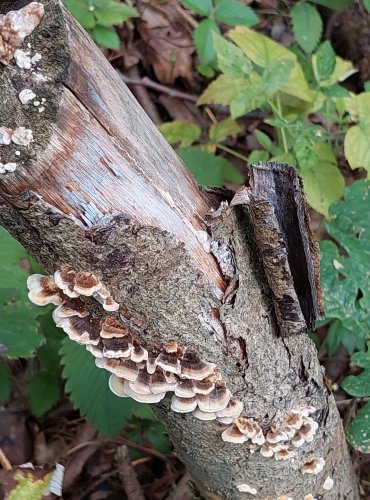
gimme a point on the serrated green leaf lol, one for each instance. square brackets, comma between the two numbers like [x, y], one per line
[234, 13]
[106, 37]
[307, 25]
[43, 391]
[179, 131]
[219, 131]
[209, 169]
[203, 39]
[114, 13]
[263, 139]
[18, 326]
[276, 75]
[357, 385]
[80, 10]
[325, 61]
[334, 4]
[221, 91]
[202, 7]
[262, 50]
[357, 147]
[88, 388]
[5, 384]
[323, 182]
[358, 433]
[230, 59]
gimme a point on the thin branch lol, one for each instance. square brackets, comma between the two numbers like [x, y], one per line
[5, 464]
[127, 475]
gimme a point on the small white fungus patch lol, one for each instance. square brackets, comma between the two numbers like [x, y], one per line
[328, 484]
[26, 95]
[245, 488]
[22, 136]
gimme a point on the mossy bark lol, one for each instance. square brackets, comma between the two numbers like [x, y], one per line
[102, 190]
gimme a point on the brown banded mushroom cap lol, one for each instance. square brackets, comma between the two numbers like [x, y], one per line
[202, 415]
[142, 398]
[139, 354]
[15, 26]
[298, 440]
[246, 426]
[65, 280]
[170, 377]
[82, 330]
[233, 435]
[126, 369]
[216, 400]
[293, 420]
[159, 383]
[308, 429]
[117, 347]
[183, 405]
[194, 368]
[233, 409]
[171, 346]
[142, 383]
[275, 434]
[204, 386]
[284, 454]
[184, 389]
[43, 290]
[116, 385]
[151, 365]
[71, 307]
[96, 350]
[169, 362]
[110, 305]
[86, 283]
[313, 466]
[111, 328]
[266, 450]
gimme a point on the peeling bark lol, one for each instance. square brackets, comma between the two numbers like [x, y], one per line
[102, 190]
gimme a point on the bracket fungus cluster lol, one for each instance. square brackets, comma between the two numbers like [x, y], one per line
[145, 376]
[297, 428]
[15, 26]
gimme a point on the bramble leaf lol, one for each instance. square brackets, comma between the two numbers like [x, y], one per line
[276, 75]
[202, 7]
[43, 391]
[219, 131]
[106, 37]
[307, 25]
[234, 13]
[111, 12]
[230, 59]
[325, 61]
[179, 131]
[203, 39]
[358, 433]
[357, 147]
[221, 91]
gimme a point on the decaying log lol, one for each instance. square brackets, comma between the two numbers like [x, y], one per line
[100, 188]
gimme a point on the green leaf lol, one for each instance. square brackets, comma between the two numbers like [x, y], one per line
[80, 10]
[362, 359]
[325, 61]
[5, 383]
[114, 13]
[357, 147]
[276, 75]
[338, 335]
[235, 13]
[209, 169]
[43, 391]
[106, 37]
[245, 101]
[219, 131]
[205, 70]
[345, 279]
[202, 7]
[307, 25]
[334, 4]
[262, 50]
[358, 433]
[18, 325]
[335, 90]
[367, 85]
[230, 59]
[263, 139]
[48, 354]
[342, 70]
[89, 391]
[323, 182]
[367, 4]
[357, 385]
[179, 131]
[257, 156]
[203, 40]
[221, 91]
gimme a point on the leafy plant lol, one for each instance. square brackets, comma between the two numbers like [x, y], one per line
[345, 282]
[98, 17]
[230, 12]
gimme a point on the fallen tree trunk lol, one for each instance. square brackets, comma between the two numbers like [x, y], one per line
[100, 188]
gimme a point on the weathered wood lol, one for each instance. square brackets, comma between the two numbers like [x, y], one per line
[102, 190]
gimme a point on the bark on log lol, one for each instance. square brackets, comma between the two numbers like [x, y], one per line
[102, 190]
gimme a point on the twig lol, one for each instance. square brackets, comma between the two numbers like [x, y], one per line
[5, 464]
[232, 152]
[139, 447]
[185, 14]
[127, 475]
[147, 82]
[182, 490]
[80, 446]
[142, 96]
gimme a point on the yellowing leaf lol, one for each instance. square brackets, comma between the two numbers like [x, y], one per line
[343, 69]
[262, 50]
[28, 488]
[221, 91]
[181, 132]
[357, 147]
[221, 130]
[358, 106]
